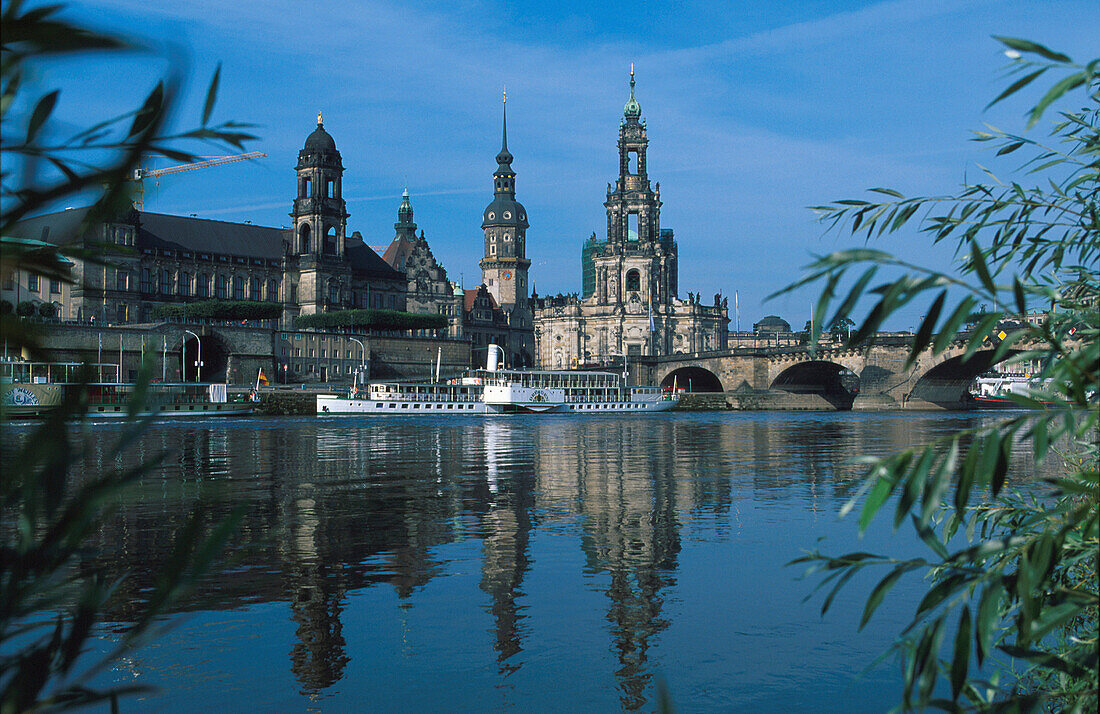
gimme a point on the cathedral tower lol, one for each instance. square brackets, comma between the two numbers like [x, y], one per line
[637, 264]
[319, 218]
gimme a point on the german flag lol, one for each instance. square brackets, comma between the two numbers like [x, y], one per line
[262, 378]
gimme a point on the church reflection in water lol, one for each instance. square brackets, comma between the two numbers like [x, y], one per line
[332, 508]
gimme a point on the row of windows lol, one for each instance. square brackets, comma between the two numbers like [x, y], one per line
[199, 286]
[34, 283]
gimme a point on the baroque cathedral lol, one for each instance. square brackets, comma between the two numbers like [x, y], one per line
[629, 304]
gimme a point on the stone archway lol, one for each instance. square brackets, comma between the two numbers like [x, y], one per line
[693, 379]
[946, 384]
[833, 382]
[215, 358]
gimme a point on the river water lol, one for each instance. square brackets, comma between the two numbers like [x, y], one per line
[543, 563]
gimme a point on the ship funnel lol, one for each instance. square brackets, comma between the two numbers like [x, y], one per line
[491, 358]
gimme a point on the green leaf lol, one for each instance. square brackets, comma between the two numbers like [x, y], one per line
[41, 113]
[989, 619]
[914, 485]
[1009, 148]
[150, 112]
[883, 587]
[950, 327]
[977, 262]
[1000, 468]
[884, 485]
[1069, 83]
[211, 96]
[1017, 86]
[1032, 47]
[1047, 661]
[924, 332]
[960, 662]
[937, 485]
[1018, 292]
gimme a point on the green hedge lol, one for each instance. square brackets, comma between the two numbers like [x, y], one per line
[373, 320]
[221, 310]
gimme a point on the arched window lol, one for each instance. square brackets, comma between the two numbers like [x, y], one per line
[303, 238]
[238, 287]
[273, 290]
[633, 280]
[202, 286]
[330, 241]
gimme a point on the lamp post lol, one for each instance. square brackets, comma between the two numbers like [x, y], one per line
[198, 357]
[363, 358]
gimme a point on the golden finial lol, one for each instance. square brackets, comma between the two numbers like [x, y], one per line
[505, 94]
[631, 69]
[319, 122]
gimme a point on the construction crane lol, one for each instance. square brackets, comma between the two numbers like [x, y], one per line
[141, 174]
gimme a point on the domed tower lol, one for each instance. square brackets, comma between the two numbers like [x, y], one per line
[504, 267]
[319, 217]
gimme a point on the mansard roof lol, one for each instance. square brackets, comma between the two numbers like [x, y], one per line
[158, 231]
[365, 261]
[165, 232]
[202, 235]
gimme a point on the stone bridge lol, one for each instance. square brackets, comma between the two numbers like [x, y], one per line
[831, 377]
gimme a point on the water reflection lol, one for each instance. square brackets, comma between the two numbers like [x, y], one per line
[333, 507]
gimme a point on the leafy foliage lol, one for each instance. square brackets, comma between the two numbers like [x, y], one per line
[373, 320]
[50, 512]
[1024, 587]
[39, 169]
[50, 602]
[221, 310]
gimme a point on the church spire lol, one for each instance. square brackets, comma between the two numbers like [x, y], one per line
[632, 110]
[504, 158]
[405, 216]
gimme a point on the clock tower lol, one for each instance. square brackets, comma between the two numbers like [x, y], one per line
[505, 265]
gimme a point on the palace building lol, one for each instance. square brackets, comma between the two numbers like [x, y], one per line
[629, 304]
[152, 259]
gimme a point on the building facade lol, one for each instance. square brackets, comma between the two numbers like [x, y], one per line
[629, 304]
[427, 291]
[154, 259]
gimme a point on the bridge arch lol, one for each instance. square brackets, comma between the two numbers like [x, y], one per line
[946, 383]
[834, 382]
[693, 379]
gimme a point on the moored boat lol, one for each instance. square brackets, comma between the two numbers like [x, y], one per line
[495, 390]
[33, 389]
[995, 390]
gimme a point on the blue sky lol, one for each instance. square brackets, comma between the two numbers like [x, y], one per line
[755, 110]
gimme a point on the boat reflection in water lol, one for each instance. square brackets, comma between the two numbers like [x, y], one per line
[474, 564]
